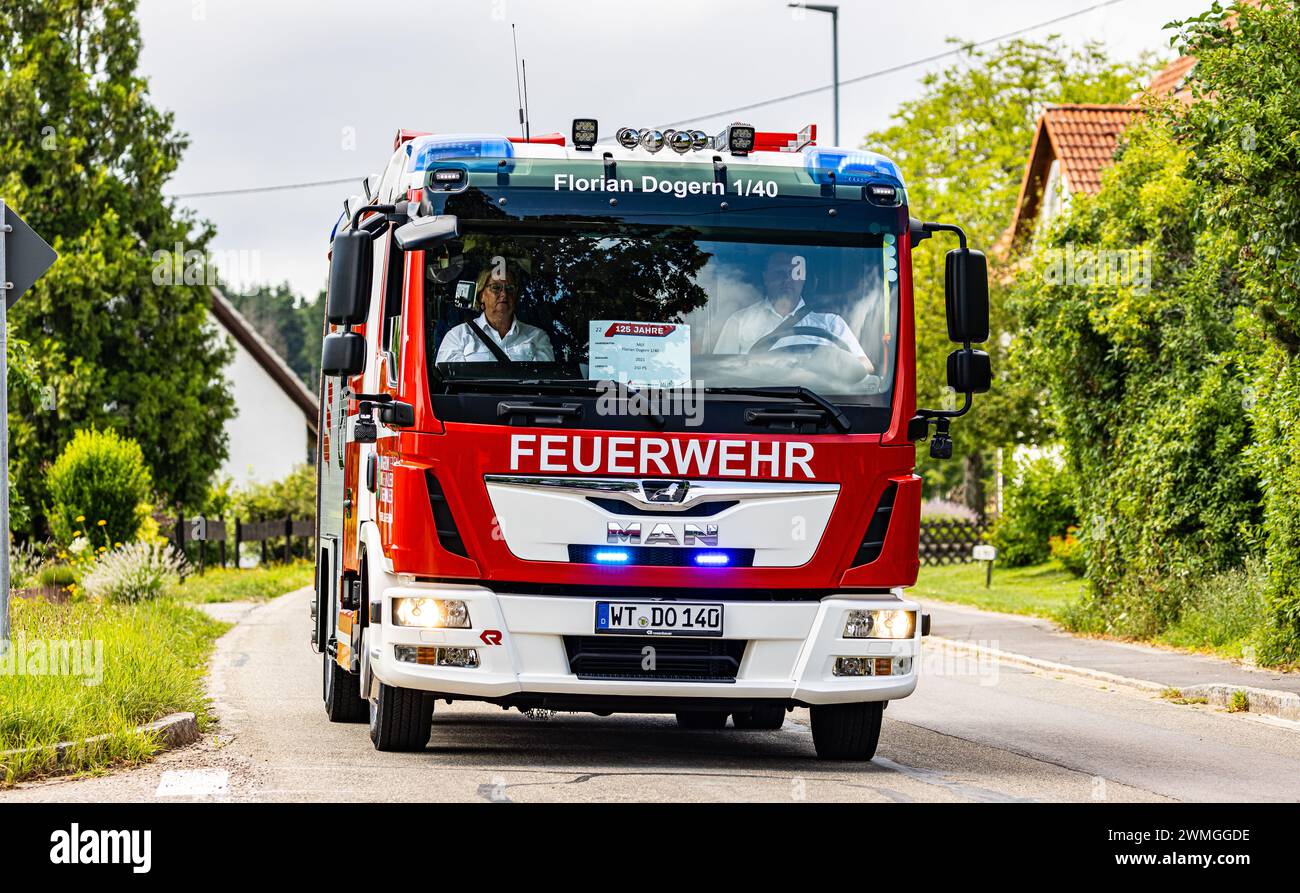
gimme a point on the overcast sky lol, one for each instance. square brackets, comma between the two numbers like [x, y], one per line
[289, 91]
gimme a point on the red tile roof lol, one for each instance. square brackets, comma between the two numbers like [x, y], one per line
[1084, 138]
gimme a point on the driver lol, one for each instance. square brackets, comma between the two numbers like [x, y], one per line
[496, 293]
[785, 306]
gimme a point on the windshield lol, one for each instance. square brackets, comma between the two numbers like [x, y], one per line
[666, 309]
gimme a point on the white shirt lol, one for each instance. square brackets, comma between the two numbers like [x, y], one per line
[749, 325]
[522, 342]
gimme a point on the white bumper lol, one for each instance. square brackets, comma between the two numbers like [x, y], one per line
[790, 652]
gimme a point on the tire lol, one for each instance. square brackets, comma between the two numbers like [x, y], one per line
[847, 731]
[702, 719]
[343, 701]
[401, 719]
[765, 717]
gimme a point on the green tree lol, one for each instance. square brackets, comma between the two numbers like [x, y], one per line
[120, 341]
[1146, 386]
[962, 145]
[1243, 136]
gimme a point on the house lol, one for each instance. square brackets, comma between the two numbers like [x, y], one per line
[1071, 148]
[1074, 144]
[274, 429]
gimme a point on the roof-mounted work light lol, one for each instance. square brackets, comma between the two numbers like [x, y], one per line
[585, 132]
[628, 137]
[652, 141]
[738, 139]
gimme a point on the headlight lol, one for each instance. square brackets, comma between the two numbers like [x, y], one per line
[880, 625]
[430, 613]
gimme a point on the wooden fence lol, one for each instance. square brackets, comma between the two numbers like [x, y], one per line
[950, 541]
[203, 539]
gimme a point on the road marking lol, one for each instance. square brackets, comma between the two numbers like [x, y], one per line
[197, 783]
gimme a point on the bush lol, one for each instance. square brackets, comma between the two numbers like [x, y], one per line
[57, 574]
[99, 488]
[134, 573]
[1039, 505]
[293, 495]
[1069, 551]
[24, 566]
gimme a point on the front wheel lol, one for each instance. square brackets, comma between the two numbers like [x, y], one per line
[847, 731]
[401, 719]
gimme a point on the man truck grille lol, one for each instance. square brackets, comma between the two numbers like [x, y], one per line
[672, 659]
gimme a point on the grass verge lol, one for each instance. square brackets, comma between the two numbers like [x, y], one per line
[1044, 590]
[83, 669]
[1220, 615]
[229, 585]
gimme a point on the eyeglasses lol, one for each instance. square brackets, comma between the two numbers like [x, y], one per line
[500, 288]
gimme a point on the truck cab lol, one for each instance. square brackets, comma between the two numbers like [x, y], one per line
[627, 427]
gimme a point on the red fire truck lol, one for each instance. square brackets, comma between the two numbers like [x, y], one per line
[628, 426]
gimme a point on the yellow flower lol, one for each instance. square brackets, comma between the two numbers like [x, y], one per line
[80, 518]
[102, 549]
[101, 522]
[117, 545]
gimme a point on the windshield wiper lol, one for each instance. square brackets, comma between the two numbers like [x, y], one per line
[840, 420]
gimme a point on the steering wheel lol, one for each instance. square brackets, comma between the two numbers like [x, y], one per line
[768, 343]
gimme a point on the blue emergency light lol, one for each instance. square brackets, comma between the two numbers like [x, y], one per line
[426, 151]
[850, 167]
[612, 557]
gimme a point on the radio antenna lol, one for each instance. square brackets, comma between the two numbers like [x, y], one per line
[528, 125]
[519, 96]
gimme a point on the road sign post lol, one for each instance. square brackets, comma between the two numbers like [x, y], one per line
[4, 432]
[24, 258]
[988, 555]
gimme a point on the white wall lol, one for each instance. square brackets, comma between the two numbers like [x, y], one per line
[268, 435]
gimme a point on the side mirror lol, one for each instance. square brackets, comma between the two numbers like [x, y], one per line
[343, 354]
[351, 266]
[423, 232]
[966, 287]
[969, 372]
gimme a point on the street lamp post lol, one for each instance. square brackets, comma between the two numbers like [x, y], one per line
[835, 53]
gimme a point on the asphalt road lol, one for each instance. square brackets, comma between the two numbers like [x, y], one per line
[973, 732]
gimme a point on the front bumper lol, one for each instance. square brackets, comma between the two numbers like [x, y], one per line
[789, 654]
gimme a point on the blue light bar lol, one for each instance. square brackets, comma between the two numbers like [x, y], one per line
[612, 557]
[713, 559]
[851, 167]
[426, 151]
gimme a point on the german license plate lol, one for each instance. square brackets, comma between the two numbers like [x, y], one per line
[658, 619]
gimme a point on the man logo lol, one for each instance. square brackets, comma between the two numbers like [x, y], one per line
[665, 491]
[662, 534]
